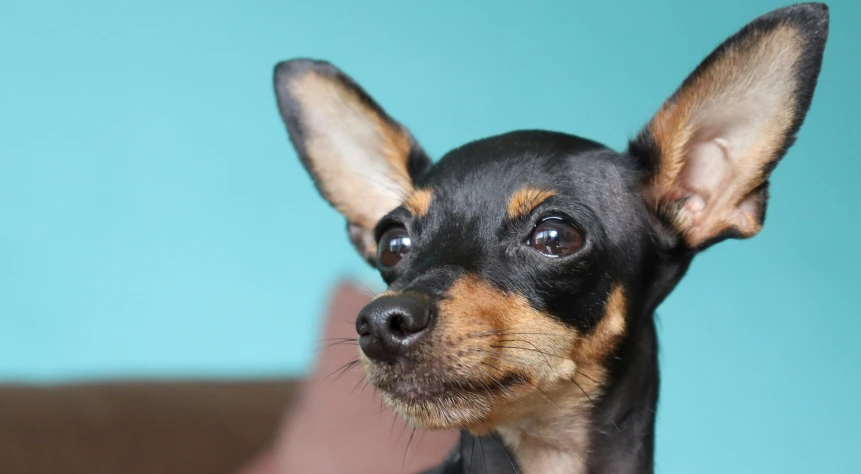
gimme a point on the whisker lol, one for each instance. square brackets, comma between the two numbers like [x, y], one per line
[592, 402]
[392, 429]
[503, 387]
[401, 435]
[584, 393]
[406, 451]
[505, 450]
[328, 339]
[472, 454]
[534, 347]
[483, 456]
[497, 357]
[380, 410]
[506, 333]
[357, 384]
[340, 370]
[494, 331]
[540, 392]
[370, 292]
[420, 439]
[584, 375]
[514, 341]
[508, 357]
[337, 343]
[543, 353]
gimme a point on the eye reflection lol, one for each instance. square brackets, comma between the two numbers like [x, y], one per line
[555, 237]
[394, 244]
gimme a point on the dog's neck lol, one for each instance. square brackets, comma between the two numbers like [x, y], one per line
[613, 433]
[554, 438]
[622, 424]
[550, 445]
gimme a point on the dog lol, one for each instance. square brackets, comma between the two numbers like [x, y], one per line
[523, 270]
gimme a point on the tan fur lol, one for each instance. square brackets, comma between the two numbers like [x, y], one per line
[603, 338]
[484, 336]
[359, 157]
[734, 115]
[418, 203]
[554, 438]
[524, 200]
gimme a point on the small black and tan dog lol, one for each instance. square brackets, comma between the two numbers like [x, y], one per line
[524, 269]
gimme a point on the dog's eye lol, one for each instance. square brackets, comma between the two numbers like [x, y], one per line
[394, 244]
[555, 237]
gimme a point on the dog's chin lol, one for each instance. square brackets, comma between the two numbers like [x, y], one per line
[436, 406]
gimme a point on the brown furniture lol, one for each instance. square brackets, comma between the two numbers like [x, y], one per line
[138, 427]
[206, 427]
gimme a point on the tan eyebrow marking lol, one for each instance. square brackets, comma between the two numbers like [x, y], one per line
[419, 202]
[524, 200]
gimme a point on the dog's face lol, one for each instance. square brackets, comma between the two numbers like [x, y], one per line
[507, 276]
[517, 265]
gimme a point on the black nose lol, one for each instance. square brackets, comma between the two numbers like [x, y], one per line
[389, 326]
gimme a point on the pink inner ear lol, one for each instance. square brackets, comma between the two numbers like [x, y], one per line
[706, 174]
[746, 215]
[719, 132]
[722, 160]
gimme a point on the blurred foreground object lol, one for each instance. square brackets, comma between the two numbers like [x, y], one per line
[227, 427]
[138, 427]
[339, 426]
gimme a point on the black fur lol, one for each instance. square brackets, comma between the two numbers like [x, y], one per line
[467, 231]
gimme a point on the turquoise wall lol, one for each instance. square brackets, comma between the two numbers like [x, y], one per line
[154, 220]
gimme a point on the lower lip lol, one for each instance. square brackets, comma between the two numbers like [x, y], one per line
[412, 392]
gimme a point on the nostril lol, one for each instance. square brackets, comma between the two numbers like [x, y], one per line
[402, 324]
[363, 324]
[398, 325]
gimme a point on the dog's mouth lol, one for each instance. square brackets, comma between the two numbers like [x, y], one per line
[411, 389]
[444, 403]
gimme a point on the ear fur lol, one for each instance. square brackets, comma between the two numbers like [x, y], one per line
[362, 161]
[710, 148]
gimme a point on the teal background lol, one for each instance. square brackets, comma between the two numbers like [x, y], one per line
[154, 220]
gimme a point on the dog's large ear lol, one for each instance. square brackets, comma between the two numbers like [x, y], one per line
[710, 148]
[362, 161]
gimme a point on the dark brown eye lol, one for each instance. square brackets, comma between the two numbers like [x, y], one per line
[555, 238]
[394, 244]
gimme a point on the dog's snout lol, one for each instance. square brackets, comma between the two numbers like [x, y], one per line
[391, 325]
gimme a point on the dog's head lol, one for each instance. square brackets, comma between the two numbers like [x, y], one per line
[518, 264]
